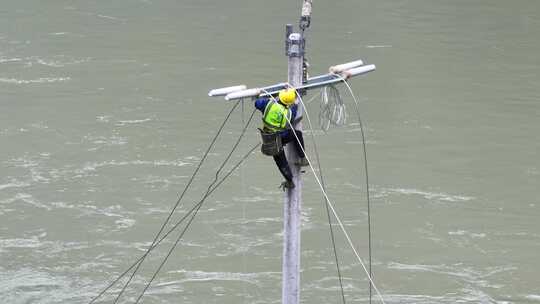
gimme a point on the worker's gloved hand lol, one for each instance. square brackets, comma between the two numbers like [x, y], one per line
[286, 185]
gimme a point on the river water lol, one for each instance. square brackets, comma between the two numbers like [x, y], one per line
[104, 117]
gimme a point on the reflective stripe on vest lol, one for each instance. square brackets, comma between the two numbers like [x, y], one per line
[275, 116]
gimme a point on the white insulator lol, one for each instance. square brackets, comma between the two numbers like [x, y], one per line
[225, 91]
[306, 8]
[345, 66]
[360, 70]
[242, 94]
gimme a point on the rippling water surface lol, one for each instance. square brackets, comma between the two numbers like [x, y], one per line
[104, 117]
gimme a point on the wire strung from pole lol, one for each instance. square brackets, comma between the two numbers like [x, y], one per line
[181, 196]
[198, 208]
[220, 129]
[332, 108]
[189, 212]
[368, 273]
[357, 110]
[331, 205]
[325, 202]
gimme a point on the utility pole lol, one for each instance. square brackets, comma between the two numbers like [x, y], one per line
[297, 78]
[295, 50]
[293, 197]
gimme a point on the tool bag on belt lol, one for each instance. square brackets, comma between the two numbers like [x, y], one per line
[271, 143]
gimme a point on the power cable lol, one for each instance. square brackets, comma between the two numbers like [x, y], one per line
[198, 208]
[332, 108]
[190, 211]
[171, 212]
[357, 110]
[333, 112]
[332, 237]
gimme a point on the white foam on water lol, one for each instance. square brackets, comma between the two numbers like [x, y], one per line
[8, 60]
[533, 297]
[476, 295]
[168, 287]
[467, 233]
[58, 61]
[467, 274]
[378, 46]
[114, 140]
[14, 184]
[203, 276]
[32, 81]
[248, 221]
[111, 18]
[87, 208]
[38, 177]
[96, 165]
[124, 223]
[50, 63]
[26, 198]
[22, 162]
[26, 285]
[428, 195]
[20, 243]
[252, 199]
[40, 125]
[103, 118]
[133, 121]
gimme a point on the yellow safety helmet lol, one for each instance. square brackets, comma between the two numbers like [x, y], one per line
[287, 97]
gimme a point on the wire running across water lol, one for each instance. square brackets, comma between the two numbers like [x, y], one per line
[155, 242]
[189, 212]
[175, 205]
[218, 171]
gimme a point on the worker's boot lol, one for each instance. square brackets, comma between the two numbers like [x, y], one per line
[288, 184]
[302, 162]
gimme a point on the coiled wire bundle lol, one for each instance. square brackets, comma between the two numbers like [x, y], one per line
[332, 108]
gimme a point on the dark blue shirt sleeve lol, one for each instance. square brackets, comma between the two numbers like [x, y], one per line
[294, 108]
[260, 103]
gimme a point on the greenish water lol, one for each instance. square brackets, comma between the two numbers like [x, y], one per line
[104, 116]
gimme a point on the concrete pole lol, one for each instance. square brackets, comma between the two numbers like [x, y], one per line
[293, 197]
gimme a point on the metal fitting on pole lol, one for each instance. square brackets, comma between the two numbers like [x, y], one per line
[295, 45]
[305, 19]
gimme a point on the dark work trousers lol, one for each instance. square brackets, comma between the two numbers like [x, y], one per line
[281, 159]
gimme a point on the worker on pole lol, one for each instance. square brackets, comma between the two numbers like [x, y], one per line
[278, 115]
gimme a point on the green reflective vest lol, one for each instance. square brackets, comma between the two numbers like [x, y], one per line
[275, 116]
